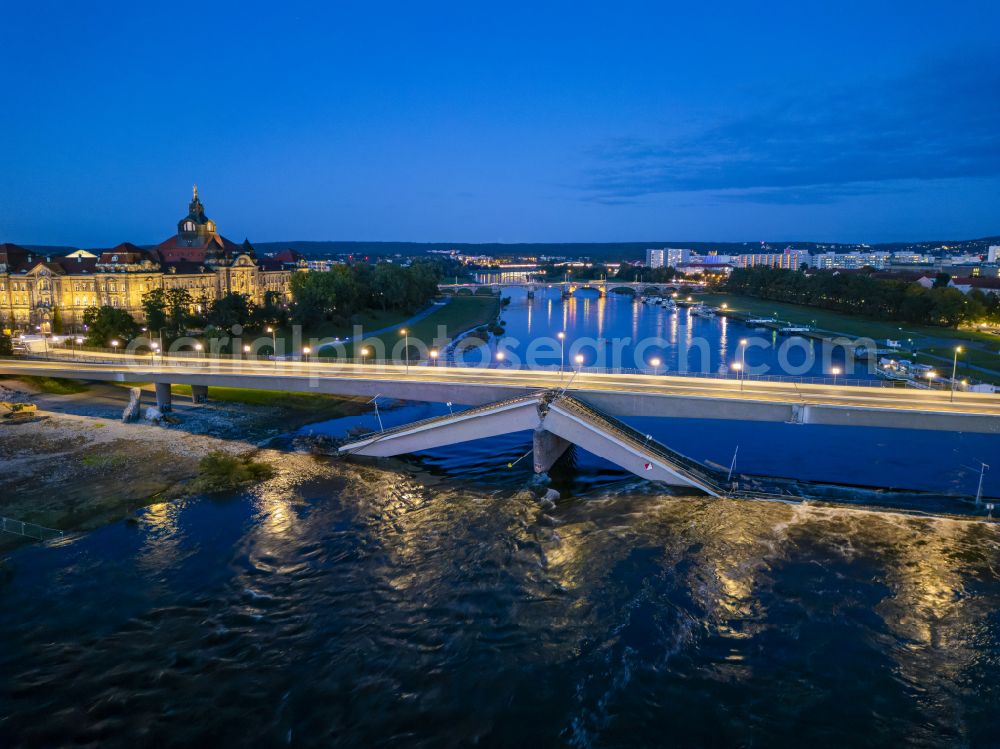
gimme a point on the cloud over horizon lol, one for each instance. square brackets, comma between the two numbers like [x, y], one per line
[939, 121]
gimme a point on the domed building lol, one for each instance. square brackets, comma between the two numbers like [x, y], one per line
[34, 286]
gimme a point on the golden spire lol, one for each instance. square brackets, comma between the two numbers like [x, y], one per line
[195, 192]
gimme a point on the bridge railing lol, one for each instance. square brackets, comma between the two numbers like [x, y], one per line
[29, 530]
[684, 465]
[472, 411]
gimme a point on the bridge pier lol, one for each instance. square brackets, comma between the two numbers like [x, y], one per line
[163, 397]
[546, 449]
[199, 393]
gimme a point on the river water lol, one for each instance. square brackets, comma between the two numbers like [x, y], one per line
[432, 602]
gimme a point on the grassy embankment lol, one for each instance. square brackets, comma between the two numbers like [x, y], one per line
[369, 320]
[880, 331]
[462, 313]
[54, 385]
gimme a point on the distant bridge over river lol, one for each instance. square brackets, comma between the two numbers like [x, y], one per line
[568, 288]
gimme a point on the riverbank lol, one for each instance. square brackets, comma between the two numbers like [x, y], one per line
[78, 467]
[839, 322]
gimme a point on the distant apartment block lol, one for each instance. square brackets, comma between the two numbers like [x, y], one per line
[787, 260]
[993, 254]
[672, 256]
[850, 260]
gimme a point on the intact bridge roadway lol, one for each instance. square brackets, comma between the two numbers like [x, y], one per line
[615, 394]
[561, 407]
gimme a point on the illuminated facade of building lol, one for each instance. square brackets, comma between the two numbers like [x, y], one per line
[34, 286]
[787, 260]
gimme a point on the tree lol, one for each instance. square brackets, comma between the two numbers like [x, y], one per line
[154, 309]
[941, 280]
[6, 346]
[106, 324]
[231, 309]
[57, 321]
[271, 311]
[178, 303]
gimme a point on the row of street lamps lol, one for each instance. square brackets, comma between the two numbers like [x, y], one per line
[738, 366]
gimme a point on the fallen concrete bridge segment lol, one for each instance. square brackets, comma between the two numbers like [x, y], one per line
[556, 421]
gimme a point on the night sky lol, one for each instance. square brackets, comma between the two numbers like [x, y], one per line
[504, 121]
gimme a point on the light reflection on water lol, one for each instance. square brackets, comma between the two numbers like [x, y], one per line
[678, 338]
[378, 603]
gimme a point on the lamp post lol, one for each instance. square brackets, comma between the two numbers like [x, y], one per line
[77, 342]
[364, 353]
[434, 356]
[500, 357]
[114, 345]
[274, 344]
[738, 368]
[561, 335]
[152, 351]
[743, 354]
[246, 350]
[579, 362]
[305, 352]
[655, 363]
[954, 367]
[406, 348]
[835, 371]
[199, 351]
[931, 374]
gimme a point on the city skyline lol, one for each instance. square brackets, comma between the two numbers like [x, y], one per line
[565, 124]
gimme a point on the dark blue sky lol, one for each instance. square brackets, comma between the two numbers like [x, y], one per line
[501, 122]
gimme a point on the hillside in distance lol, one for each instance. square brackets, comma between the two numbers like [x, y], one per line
[597, 251]
[608, 250]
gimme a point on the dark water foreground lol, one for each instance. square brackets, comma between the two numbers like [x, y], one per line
[373, 610]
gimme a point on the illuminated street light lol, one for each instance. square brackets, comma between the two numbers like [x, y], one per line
[364, 353]
[274, 344]
[835, 371]
[305, 352]
[655, 363]
[500, 356]
[954, 367]
[406, 347]
[579, 360]
[738, 368]
[114, 345]
[434, 356]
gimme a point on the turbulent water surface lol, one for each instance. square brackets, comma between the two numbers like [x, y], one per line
[433, 602]
[383, 607]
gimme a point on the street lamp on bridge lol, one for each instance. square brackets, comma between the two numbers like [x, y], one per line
[954, 367]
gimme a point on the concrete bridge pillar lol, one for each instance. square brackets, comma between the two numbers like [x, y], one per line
[199, 393]
[546, 449]
[163, 397]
